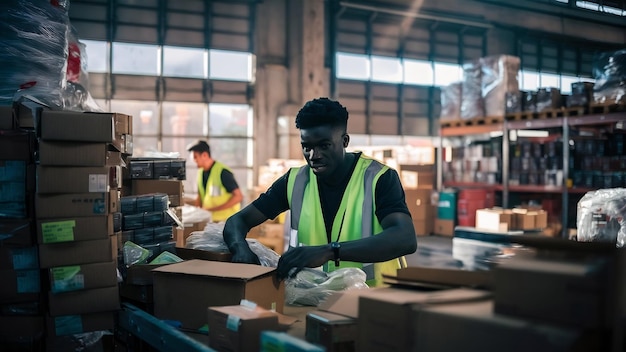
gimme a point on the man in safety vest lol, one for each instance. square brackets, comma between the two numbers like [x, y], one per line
[347, 210]
[218, 192]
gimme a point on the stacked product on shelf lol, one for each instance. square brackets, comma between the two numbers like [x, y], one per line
[22, 303]
[81, 156]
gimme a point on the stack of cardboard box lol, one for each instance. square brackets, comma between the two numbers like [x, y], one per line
[21, 301]
[81, 156]
[418, 183]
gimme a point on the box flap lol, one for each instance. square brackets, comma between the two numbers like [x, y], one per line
[216, 269]
[451, 277]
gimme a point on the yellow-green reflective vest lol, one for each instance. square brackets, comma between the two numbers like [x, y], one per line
[214, 193]
[358, 205]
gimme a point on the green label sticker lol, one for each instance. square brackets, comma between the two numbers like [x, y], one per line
[67, 278]
[68, 325]
[58, 231]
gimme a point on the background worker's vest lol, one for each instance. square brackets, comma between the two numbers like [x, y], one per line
[354, 220]
[214, 194]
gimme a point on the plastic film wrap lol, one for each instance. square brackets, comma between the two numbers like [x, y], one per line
[309, 287]
[498, 77]
[472, 103]
[600, 216]
[451, 96]
[609, 71]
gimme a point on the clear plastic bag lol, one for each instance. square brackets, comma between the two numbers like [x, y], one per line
[311, 286]
[600, 216]
[609, 71]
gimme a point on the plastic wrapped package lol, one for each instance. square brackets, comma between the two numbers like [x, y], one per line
[33, 58]
[309, 286]
[135, 254]
[548, 99]
[498, 77]
[609, 71]
[451, 96]
[472, 102]
[76, 96]
[600, 216]
[193, 215]
[212, 239]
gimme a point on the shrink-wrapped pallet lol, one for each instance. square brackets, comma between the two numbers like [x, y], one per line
[451, 96]
[472, 103]
[499, 77]
[609, 71]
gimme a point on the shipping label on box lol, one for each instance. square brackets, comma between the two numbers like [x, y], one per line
[74, 229]
[53, 179]
[19, 257]
[238, 328]
[78, 204]
[82, 276]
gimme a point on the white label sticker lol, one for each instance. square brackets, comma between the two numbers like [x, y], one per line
[98, 182]
[232, 322]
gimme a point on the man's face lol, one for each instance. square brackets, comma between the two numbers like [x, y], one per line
[200, 158]
[324, 149]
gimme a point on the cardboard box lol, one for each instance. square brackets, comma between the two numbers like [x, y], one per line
[416, 179]
[424, 227]
[17, 232]
[141, 274]
[238, 328]
[74, 229]
[419, 202]
[190, 253]
[68, 179]
[183, 291]
[18, 146]
[385, 319]
[444, 227]
[443, 276]
[573, 292]
[21, 328]
[80, 323]
[19, 257]
[498, 220]
[173, 189]
[78, 252]
[25, 283]
[109, 127]
[335, 332]
[82, 277]
[139, 293]
[84, 302]
[78, 154]
[76, 205]
[474, 326]
[7, 120]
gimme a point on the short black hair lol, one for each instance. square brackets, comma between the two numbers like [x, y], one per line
[199, 146]
[320, 112]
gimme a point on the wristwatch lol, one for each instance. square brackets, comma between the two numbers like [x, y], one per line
[336, 247]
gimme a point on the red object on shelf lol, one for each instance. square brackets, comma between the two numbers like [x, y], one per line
[470, 200]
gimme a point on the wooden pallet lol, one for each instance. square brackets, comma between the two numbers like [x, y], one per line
[607, 107]
[545, 114]
[477, 121]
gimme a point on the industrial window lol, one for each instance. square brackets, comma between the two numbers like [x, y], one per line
[184, 62]
[352, 66]
[386, 69]
[529, 81]
[418, 72]
[230, 65]
[135, 59]
[96, 55]
[447, 73]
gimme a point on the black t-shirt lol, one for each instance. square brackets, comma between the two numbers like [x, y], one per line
[389, 197]
[227, 177]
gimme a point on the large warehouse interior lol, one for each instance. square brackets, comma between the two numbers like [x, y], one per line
[313, 175]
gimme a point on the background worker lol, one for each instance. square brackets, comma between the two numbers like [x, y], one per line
[347, 210]
[218, 191]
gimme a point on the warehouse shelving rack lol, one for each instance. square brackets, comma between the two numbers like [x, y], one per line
[616, 114]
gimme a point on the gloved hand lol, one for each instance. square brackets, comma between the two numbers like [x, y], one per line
[302, 257]
[241, 253]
